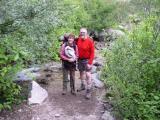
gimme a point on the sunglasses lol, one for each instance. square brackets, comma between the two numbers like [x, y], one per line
[82, 33]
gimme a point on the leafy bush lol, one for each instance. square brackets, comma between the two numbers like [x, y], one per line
[10, 62]
[133, 75]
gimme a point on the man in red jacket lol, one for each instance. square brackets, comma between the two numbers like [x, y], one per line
[86, 56]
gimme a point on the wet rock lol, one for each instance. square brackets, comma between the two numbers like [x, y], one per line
[107, 116]
[38, 94]
[27, 74]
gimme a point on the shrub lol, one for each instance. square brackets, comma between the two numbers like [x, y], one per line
[133, 75]
[10, 62]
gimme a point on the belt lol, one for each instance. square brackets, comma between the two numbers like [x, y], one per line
[82, 58]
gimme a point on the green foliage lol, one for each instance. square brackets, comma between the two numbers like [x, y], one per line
[100, 12]
[133, 75]
[130, 10]
[10, 60]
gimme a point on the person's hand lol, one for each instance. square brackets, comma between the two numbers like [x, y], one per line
[89, 66]
[71, 60]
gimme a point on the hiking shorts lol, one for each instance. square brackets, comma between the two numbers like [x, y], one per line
[82, 65]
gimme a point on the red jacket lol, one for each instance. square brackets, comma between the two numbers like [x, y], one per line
[86, 49]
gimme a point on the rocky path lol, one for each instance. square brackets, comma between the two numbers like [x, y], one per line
[68, 107]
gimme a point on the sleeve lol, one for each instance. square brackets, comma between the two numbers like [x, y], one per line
[91, 53]
[62, 55]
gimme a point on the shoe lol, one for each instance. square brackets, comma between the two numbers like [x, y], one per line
[73, 92]
[81, 88]
[88, 94]
[64, 92]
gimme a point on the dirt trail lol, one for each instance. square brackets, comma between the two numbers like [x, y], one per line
[68, 107]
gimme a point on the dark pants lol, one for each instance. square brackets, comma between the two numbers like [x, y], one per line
[67, 72]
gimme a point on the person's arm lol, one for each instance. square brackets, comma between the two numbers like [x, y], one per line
[62, 55]
[77, 55]
[91, 53]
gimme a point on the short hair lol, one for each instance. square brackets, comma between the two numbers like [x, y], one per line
[83, 30]
[71, 35]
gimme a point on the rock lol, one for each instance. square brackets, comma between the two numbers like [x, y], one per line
[99, 45]
[38, 94]
[97, 64]
[36, 70]
[94, 35]
[94, 69]
[107, 116]
[2, 118]
[43, 80]
[113, 34]
[57, 115]
[52, 67]
[102, 35]
[97, 82]
[20, 110]
[27, 74]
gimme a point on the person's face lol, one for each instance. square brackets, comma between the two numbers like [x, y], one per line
[70, 40]
[83, 34]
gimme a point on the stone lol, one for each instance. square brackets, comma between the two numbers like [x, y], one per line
[37, 95]
[94, 69]
[96, 80]
[20, 110]
[113, 34]
[57, 115]
[97, 64]
[107, 116]
[27, 74]
[2, 118]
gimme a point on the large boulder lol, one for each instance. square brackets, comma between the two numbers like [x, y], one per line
[106, 35]
[112, 34]
[37, 95]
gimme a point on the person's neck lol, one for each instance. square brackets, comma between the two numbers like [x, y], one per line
[70, 44]
[84, 38]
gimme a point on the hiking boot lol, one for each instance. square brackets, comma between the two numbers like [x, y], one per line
[88, 94]
[73, 92]
[81, 88]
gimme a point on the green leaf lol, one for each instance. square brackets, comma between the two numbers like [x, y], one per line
[16, 57]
